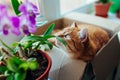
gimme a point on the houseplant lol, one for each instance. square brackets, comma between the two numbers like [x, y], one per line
[25, 60]
[102, 7]
[118, 13]
[115, 8]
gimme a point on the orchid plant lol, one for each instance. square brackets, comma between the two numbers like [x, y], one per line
[15, 61]
[104, 1]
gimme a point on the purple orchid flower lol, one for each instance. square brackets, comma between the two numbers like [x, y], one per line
[26, 24]
[15, 25]
[8, 23]
[26, 21]
[29, 12]
[28, 7]
[4, 20]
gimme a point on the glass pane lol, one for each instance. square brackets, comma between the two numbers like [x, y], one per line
[69, 5]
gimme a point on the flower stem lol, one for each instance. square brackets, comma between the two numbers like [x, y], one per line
[7, 46]
[21, 52]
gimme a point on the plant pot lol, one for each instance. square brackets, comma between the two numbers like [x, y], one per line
[101, 9]
[42, 72]
[44, 76]
[118, 14]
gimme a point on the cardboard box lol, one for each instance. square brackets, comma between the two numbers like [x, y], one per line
[65, 68]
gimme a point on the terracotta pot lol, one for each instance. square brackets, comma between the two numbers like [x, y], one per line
[118, 14]
[101, 9]
[44, 76]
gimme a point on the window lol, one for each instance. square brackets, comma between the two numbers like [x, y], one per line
[52, 9]
[56, 8]
[69, 5]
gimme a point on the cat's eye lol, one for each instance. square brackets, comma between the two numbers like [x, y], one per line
[67, 36]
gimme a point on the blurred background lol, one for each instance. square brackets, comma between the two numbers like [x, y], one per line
[53, 9]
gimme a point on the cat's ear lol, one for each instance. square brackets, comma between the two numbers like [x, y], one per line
[74, 24]
[83, 34]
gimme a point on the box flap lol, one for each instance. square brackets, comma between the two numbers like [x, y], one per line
[107, 59]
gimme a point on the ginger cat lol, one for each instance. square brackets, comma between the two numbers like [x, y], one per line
[83, 41]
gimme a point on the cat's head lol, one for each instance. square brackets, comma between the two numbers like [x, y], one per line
[75, 38]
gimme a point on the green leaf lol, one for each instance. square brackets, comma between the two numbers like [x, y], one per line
[1, 58]
[15, 44]
[33, 65]
[13, 63]
[6, 72]
[24, 66]
[3, 69]
[49, 36]
[15, 50]
[61, 40]
[7, 46]
[10, 77]
[15, 5]
[20, 76]
[49, 30]
[32, 38]
[37, 45]
[104, 1]
[49, 44]
[31, 59]
[28, 44]
[30, 64]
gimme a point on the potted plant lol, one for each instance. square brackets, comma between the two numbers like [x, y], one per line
[102, 7]
[24, 60]
[115, 8]
[118, 13]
